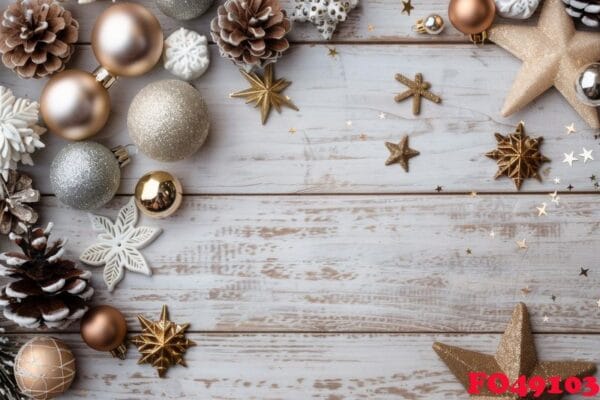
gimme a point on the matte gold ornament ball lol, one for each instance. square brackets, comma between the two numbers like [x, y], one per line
[44, 368]
[472, 17]
[104, 328]
[158, 194]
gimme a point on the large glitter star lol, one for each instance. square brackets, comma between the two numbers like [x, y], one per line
[516, 356]
[553, 53]
[162, 343]
[265, 92]
[518, 156]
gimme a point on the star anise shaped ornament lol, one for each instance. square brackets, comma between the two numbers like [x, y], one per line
[518, 156]
[162, 343]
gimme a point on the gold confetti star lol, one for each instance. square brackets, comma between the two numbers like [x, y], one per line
[553, 297]
[370, 28]
[584, 272]
[542, 210]
[333, 53]
[555, 197]
[439, 188]
[469, 252]
[526, 290]
[265, 92]
[556, 180]
[570, 128]
[417, 89]
[521, 244]
[400, 153]
[569, 159]
[587, 155]
[363, 137]
[473, 194]
[407, 6]
[546, 318]
[292, 130]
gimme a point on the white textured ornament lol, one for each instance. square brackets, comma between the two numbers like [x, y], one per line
[324, 14]
[516, 9]
[186, 54]
[19, 130]
[118, 245]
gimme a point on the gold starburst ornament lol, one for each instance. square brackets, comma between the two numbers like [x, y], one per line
[162, 343]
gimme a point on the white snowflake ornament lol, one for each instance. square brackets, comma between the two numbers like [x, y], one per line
[324, 14]
[19, 130]
[118, 245]
[186, 54]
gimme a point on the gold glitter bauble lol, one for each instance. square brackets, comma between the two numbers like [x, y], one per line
[158, 194]
[44, 368]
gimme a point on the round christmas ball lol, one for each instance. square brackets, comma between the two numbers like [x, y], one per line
[104, 328]
[158, 194]
[168, 120]
[74, 105]
[472, 16]
[44, 368]
[588, 85]
[85, 175]
[127, 39]
[184, 9]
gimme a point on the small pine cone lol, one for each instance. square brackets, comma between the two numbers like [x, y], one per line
[48, 292]
[16, 194]
[251, 32]
[37, 37]
[587, 11]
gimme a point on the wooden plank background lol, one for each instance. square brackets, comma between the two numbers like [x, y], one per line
[308, 269]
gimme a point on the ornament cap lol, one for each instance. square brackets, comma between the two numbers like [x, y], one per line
[122, 155]
[103, 76]
[119, 352]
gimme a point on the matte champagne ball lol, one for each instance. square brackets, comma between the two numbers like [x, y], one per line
[158, 194]
[74, 105]
[472, 16]
[127, 39]
[588, 85]
[184, 9]
[168, 120]
[103, 328]
[44, 368]
[85, 175]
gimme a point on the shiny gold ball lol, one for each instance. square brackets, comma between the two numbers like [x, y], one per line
[103, 328]
[472, 16]
[127, 39]
[74, 105]
[44, 368]
[158, 194]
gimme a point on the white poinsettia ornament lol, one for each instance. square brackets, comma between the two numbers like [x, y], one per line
[118, 245]
[186, 54]
[19, 130]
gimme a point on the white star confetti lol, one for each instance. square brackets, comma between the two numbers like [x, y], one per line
[492, 234]
[546, 318]
[556, 180]
[382, 115]
[569, 159]
[555, 197]
[587, 155]
[598, 302]
[542, 210]
[521, 244]
[570, 128]
[349, 123]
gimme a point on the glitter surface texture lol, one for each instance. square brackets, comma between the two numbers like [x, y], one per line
[184, 9]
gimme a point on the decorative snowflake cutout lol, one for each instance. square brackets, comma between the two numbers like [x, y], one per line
[324, 14]
[118, 245]
[19, 132]
[186, 54]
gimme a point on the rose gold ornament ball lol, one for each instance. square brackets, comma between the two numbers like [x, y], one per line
[103, 328]
[472, 16]
[127, 39]
[74, 105]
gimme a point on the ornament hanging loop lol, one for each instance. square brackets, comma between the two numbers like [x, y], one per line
[122, 155]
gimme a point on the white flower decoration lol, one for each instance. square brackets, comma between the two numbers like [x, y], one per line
[19, 132]
[118, 245]
[324, 14]
[186, 54]
[516, 9]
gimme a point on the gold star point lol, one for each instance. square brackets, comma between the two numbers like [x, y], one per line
[400, 153]
[418, 89]
[407, 6]
[522, 244]
[265, 91]
[370, 28]
[333, 53]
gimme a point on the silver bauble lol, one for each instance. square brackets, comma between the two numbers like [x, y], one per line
[184, 9]
[588, 85]
[85, 175]
[168, 120]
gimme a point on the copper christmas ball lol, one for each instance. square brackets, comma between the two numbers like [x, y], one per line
[103, 328]
[472, 16]
[158, 194]
[74, 105]
[127, 39]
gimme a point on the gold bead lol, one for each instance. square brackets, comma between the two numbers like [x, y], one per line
[158, 194]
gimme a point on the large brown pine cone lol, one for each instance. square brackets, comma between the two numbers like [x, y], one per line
[48, 292]
[251, 32]
[37, 37]
[587, 11]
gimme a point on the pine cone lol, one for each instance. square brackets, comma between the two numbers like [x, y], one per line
[15, 193]
[37, 37]
[587, 11]
[48, 292]
[251, 32]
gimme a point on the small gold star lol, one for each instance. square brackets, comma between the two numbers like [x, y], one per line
[400, 153]
[546, 318]
[526, 290]
[333, 53]
[521, 244]
[362, 137]
[417, 88]
[556, 180]
[473, 194]
[555, 197]
[265, 92]
[584, 272]
[542, 210]
[293, 130]
[570, 128]
[553, 297]
[370, 28]
[439, 188]
[469, 251]
[407, 6]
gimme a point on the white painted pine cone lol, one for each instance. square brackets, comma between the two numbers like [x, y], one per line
[186, 54]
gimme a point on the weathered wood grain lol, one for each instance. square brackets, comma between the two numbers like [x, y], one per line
[326, 155]
[360, 263]
[300, 366]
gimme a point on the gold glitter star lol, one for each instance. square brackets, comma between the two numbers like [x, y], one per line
[584, 272]
[265, 92]
[526, 290]
[333, 53]
[473, 194]
[400, 153]
[469, 252]
[570, 128]
[293, 130]
[521, 244]
[407, 6]
[417, 88]
[162, 343]
[518, 156]
[542, 210]
[370, 28]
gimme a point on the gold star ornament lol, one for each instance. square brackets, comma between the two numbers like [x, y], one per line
[162, 343]
[516, 356]
[265, 92]
[417, 88]
[553, 53]
[400, 153]
[407, 7]
[518, 156]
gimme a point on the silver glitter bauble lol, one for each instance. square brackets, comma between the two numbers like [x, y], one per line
[85, 175]
[168, 120]
[184, 9]
[588, 85]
